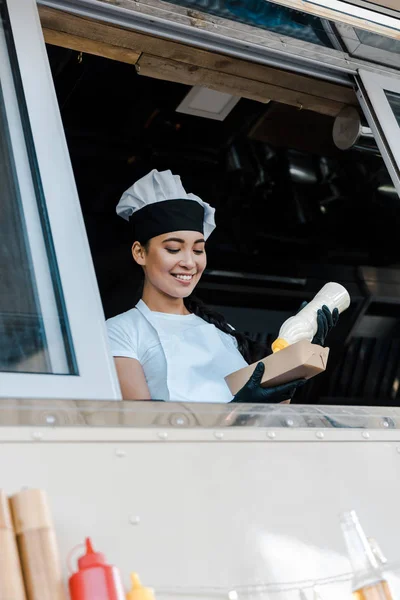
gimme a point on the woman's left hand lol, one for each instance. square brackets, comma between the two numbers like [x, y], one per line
[326, 320]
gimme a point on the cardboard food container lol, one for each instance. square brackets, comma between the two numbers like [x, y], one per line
[302, 360]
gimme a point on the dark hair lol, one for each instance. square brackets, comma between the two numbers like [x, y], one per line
[248, 348]
[251, 350]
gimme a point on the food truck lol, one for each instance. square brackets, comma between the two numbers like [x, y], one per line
[254, 102]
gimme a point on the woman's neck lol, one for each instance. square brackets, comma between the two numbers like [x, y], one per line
[157, 301]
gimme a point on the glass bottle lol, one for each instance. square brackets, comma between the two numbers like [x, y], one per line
[368, 581]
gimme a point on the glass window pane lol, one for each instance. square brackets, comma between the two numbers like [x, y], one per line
[379, 42]
[265, 15]
[34, 331]
[394, 101]
[370, 46]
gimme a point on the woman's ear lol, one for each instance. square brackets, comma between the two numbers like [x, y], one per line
[139, 253]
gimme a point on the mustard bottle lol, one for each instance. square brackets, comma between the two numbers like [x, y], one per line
[138, 591]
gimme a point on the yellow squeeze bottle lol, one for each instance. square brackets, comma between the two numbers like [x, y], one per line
[138, 591]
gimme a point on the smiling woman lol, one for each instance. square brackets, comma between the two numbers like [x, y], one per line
[181, 256]
[170, 346]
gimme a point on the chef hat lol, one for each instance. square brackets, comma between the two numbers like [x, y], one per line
[158, 203]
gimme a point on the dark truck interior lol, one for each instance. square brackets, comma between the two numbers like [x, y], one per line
[293, 211]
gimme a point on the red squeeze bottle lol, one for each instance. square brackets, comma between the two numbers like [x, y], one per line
[95, 580]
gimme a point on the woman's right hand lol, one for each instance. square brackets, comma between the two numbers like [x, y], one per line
[252, 391]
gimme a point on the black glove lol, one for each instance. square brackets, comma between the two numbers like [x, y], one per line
[253, 392]
[325, 321]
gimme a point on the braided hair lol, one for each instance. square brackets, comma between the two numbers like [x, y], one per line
[248, 348]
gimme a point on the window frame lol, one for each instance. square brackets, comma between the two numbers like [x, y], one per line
[96, 378]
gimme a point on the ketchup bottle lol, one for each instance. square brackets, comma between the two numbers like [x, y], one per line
[95, 580]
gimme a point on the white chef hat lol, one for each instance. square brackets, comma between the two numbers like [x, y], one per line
[158, 203]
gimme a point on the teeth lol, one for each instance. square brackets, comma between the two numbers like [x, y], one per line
[184, 277]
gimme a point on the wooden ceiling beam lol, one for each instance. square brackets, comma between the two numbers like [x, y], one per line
[85, 45]
[244, 78]
[178, 72]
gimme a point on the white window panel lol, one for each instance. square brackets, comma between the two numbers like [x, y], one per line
[379, 96]
[53, 341]
[370, 46]
[388, 7]
[350, 9]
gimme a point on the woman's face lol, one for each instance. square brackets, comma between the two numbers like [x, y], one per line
[173, 262]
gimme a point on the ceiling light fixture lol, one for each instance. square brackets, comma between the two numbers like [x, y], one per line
[210, 104]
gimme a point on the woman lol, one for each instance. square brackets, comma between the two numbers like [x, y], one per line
[170, 346]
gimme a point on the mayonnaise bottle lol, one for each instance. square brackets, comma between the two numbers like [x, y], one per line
[303, 326]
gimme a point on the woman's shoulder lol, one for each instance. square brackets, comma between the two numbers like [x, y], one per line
[129, 334]
[129, 323]
[129, 316]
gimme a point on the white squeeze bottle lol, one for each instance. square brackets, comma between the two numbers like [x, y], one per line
[303, 326]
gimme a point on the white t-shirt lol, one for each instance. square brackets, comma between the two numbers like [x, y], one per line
[184, 358]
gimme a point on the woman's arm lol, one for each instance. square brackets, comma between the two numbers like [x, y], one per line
[131, 379]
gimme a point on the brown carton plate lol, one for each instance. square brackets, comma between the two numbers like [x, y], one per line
[302, 360]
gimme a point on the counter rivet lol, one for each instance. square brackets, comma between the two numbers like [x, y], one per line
[366, 435]
[37, 435]
[50, 419]
[218, 435]
[384, 423]
[271, 435]
[120, 453]
[289, 422]
[134, 520]
[320, 435]
[163, 435]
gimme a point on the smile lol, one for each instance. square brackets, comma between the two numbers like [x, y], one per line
[185, 278]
